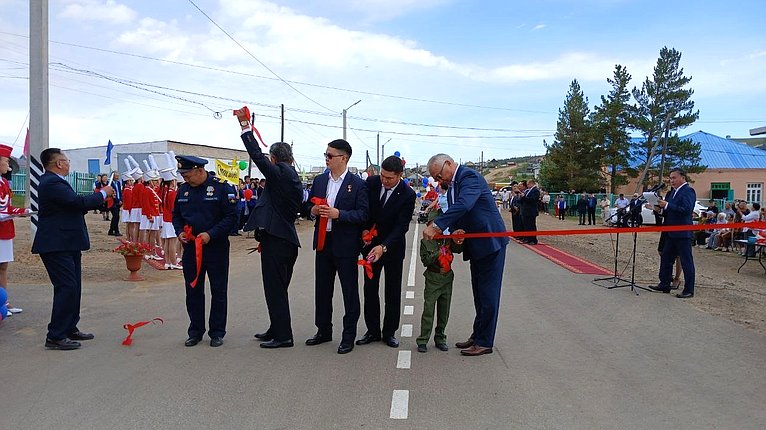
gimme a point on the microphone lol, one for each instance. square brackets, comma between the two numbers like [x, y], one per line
[658, 187]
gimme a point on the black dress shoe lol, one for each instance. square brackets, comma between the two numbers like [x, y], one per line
[277, 344]
[78, 335]
[318, 338]
[216, 341]
[660, 289]
[442, 347]
[685, 295]
[368, 338]
[391, 341]
[345, 348]
[265, 336]
[191, 341]
[422, 348]
[62, 345]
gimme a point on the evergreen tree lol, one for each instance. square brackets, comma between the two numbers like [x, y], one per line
[610, 122]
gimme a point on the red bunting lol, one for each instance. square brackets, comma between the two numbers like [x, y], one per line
[197, 251]
[373, 232]
[131, 327]
[367, 267]
[445, 258]
[322, 233]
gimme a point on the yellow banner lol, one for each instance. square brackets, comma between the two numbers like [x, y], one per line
[227, 172]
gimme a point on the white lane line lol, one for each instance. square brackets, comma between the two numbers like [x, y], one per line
[404, 360]
[399, 404]
[409, 310]
[406, 330]
[413, 257]
[409, 295]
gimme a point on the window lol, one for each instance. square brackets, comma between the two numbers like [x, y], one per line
[754, 193]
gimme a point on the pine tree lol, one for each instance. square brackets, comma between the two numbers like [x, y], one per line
[610, 123]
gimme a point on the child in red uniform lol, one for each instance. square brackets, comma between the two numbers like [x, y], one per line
[7, 230]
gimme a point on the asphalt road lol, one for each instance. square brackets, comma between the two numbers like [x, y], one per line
[568, 355]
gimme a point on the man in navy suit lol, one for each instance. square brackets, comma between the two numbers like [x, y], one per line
[114, 226]
[529, 210]
[61, 237]
[392, 203]
[273, 220]
[472, 208]
[676, 209]
[345, 211]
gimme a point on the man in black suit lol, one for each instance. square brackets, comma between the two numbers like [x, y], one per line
[273, 220]
[529, 210]
[392, 203]
[340, 198]
[60, 239]
[114, 226]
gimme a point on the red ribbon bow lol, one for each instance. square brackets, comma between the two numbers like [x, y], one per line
[246, 110]
[131, 327]
[322, 233]
[197, 251]
[367, 264]
[445, 258]
[373, 232]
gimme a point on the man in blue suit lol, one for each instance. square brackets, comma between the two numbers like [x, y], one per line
[472, 208]
[676, 209]
[346, 211]
[61, 237]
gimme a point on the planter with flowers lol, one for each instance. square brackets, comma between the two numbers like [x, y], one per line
[134, 255]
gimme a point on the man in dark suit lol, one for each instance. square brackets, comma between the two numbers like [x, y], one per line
[676, 209]
[515, 205]
[391, 205]
[273, 220]
[582, 208]
[592, 203]
[341, 199]
[60, 239]
[472, 208]
[114, 226]
[529, 210]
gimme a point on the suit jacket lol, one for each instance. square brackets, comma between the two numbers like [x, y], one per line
[353, 203]
[529, 200]
[277, 209]
[117, 185]
[679, 210]
[61, 219]
[391, 220]
[473, 209]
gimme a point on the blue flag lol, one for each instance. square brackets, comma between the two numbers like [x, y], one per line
[109, 147]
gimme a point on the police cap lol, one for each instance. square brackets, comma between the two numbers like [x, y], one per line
[189, 162]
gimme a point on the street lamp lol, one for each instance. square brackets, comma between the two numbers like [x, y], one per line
[344, 117]
[383, 150]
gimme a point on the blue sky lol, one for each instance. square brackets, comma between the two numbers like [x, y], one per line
[464, 76]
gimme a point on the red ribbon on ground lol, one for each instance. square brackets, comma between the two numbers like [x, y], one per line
[246, 110]
[367, 267]
[132, 327]
[197, 251]
[749, 225]
[445, 258]
[373, 232]
[322, 233]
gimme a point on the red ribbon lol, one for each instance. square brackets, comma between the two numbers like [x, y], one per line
[246, 110]
[445, 258]
[197, 251]
[373, 232]
[131, 327]
[367, 267]
[322, 233]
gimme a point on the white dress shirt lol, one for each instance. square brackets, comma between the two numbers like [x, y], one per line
[333, 186]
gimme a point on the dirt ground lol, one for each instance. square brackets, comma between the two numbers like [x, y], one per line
[720, 290]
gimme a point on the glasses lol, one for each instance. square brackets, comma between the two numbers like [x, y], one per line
[438, 176]
[331, 156]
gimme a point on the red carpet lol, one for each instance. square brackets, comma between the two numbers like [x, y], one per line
[568, 261]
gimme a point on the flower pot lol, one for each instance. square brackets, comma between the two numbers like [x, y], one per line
[133, 263]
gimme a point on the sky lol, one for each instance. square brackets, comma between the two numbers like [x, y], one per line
[459, 77]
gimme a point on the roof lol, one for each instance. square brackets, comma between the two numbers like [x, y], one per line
[721, 153]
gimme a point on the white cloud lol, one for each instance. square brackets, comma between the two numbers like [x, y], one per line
[157, 37]
[538, 27]
[96, 10]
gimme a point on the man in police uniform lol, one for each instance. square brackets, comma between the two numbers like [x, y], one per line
[208, 206]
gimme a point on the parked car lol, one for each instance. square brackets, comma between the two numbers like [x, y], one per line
[647, 215]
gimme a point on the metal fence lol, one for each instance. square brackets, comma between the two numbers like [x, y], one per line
[82, 183]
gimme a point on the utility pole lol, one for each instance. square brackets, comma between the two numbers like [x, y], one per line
[282, 136]
[378, 150]
[38, 101]
[344, 117]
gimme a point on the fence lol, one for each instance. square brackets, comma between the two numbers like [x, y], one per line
[82, 183]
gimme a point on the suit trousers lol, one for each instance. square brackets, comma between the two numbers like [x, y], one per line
[672, 248]
[278, 258]
[65, 272]
[530, 224]
[581, 217]
[392, 296]
[114, 225]
[215, 264]
[486, 283]
[437, 294]
[591, 216]
[326, 267]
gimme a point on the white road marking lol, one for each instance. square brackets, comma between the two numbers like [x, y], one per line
[406, 330]
[409, 295]
[399, 404]
[404, 360]
[413, 257]
[409, 310]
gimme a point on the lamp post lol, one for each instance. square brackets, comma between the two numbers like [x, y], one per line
[344, 117]
[383, 150]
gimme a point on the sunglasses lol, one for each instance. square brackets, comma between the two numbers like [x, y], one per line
[331, 156]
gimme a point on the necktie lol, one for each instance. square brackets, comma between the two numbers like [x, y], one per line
[384, 197]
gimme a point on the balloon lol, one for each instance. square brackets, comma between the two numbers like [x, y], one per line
[406, 181]
[398, 154]
[365, 175]
[418, 194]
[248, 193]
[425, 182]
[243, 165]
